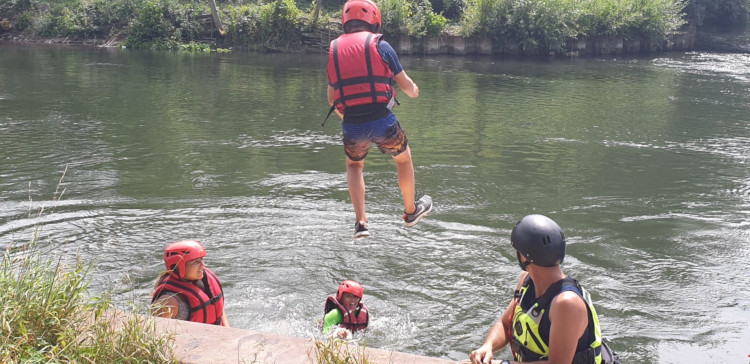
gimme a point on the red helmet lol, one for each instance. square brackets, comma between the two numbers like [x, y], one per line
[350, 287]
[364, 10]
[180, 252]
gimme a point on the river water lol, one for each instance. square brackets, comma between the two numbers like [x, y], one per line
[644, 162]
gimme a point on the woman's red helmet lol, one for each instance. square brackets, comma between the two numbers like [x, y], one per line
[179, 253]
[350, 287]
[364, 10]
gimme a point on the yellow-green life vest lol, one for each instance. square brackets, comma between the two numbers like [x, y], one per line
[531, 324]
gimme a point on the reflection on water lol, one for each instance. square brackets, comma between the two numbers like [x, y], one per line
[642, 161]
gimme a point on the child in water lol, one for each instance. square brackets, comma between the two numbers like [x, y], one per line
[346, 310]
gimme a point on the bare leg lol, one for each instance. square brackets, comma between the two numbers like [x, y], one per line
[356, 182]
[406, 183]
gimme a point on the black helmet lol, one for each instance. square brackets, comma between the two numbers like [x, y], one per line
[540, 240]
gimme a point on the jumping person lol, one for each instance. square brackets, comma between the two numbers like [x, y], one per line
[346, 310]
[551, 317]
[362, 69]
[188, 290]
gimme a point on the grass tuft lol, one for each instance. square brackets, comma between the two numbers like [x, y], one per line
[337, 351]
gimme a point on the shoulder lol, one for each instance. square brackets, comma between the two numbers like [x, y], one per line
[522, 280]
[386, 49]
[171, 298]
[570, 304]
[334, 315]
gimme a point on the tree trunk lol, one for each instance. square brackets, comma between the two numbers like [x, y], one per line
[217, 19]
[318, 8]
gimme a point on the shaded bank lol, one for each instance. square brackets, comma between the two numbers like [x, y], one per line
[318, 41]
[513, 27]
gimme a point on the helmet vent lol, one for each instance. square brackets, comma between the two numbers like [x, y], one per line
[545, 240]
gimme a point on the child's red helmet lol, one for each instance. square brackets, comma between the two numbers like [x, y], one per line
[350, 287]
[180, 252]
[364, 10]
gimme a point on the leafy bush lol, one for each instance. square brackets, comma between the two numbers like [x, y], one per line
[485, 17]
[412, 17]
[435, 23]
[280, 24]
[541, 24]
[163, 26]
[149, 26]
[546, 24]
[243, 25]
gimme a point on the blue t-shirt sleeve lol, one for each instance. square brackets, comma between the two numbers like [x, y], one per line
[389, 56]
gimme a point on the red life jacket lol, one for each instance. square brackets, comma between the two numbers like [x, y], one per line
[204, 309]
[357, 72]
[353, 321]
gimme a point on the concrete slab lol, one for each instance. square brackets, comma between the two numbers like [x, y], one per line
[200, 343]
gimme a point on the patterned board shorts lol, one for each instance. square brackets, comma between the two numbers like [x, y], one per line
[386, 133]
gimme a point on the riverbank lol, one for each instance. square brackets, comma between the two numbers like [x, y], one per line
[445, 44]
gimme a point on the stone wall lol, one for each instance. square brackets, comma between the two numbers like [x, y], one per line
[445, 44]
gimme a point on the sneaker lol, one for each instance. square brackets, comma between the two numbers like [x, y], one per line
[424, 206]
[360, 230]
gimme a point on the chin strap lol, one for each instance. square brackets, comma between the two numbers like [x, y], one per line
[520, 263]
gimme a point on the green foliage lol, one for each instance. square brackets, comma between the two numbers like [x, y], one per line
[24, 21]
[395, 16]
[543, 24]
[73, 18]
[483, 17]
[280, 24]
[47, 315]
[435, 23]
[243, 25]
[163, 25]
[536, 25]
[721, 13]
[451, 9]
[411, 17]
[547, 24]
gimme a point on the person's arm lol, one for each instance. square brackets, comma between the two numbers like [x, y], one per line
[406, 84]
[166, 306]
[402, 79]
[568, 320]
[331, 99]
[331, 319]
[497, 338]
[224, 319]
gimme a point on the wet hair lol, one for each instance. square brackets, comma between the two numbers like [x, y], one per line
[350, 26]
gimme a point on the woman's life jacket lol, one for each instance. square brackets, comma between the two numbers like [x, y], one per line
[353, 320]
[531, 325]
[357, 72]
[205, 306]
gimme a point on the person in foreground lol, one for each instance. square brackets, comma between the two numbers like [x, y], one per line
[362, 69]
[188, 290]
[345, 310]
[551, 317]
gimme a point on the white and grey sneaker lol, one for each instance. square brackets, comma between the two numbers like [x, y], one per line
[424, 206]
